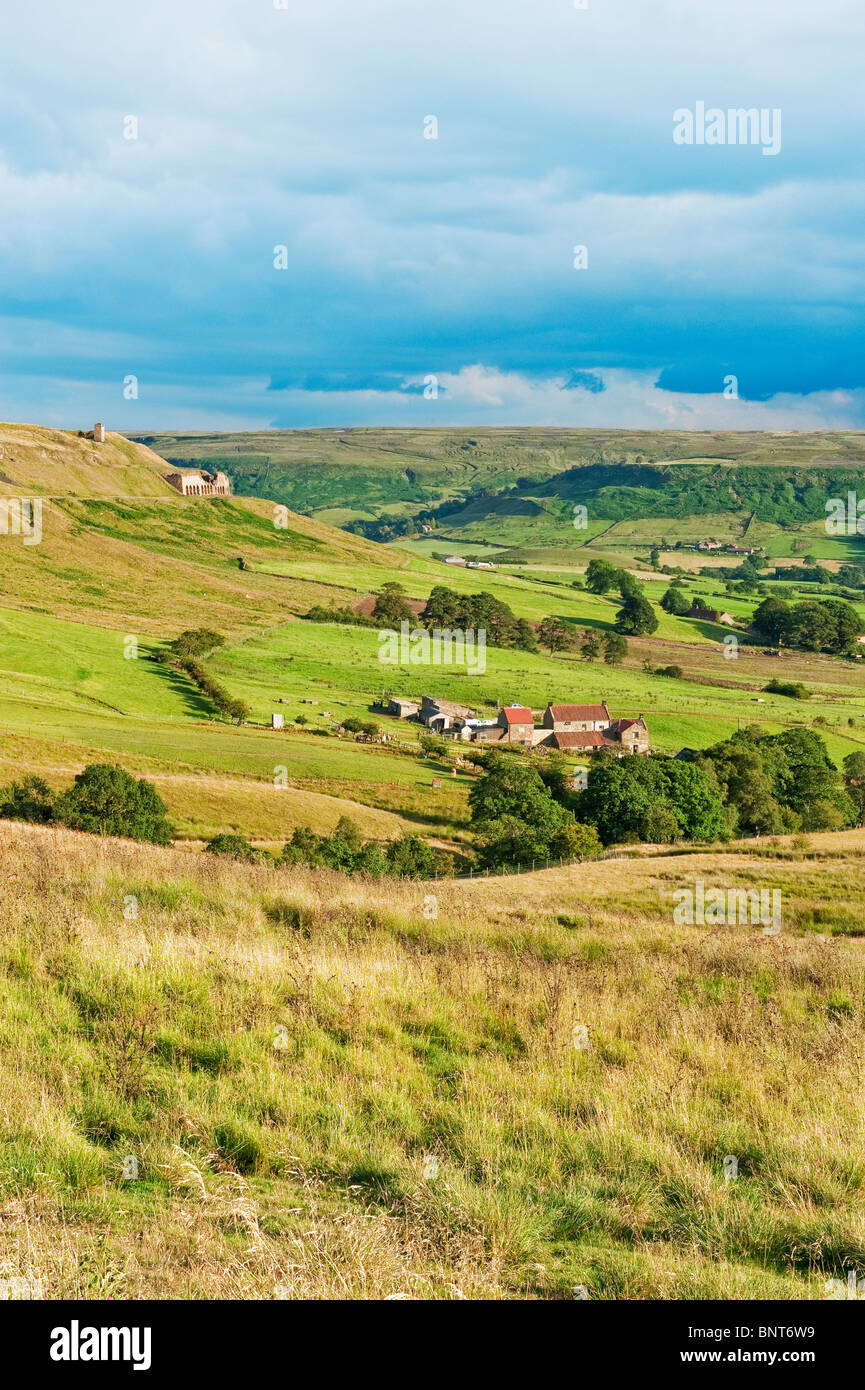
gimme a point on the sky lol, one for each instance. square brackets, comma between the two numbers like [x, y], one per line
[231, 214]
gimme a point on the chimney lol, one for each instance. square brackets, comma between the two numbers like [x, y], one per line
[98, 434]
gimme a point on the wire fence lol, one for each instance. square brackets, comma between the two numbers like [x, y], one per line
[532, 866]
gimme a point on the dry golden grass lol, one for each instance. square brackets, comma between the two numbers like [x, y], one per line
[44, 462]
[349, 1089]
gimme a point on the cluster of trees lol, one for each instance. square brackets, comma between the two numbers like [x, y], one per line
[521, 813]
[619, 491]
[360, 726]
[657, 799]
[753, 783]
[636, 617]
[830, 625]
[344, 849]
[849, 576]
[183, 653]
[611, 645]
[104, 799]
[680, 604]
[469, 612]
[775, 783]
[445, 609]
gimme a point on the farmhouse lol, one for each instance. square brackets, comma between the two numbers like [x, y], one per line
[632, 734]
[198, 483]
[622, 736]
[589, 739]
[576, 718]
[563, 727]
[517, 724]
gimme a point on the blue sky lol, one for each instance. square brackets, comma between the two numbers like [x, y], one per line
[408, 258]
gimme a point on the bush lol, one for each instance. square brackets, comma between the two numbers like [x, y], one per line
[576, 841]
[106, 800]
[235, 845]
[794, 690]
[674, 672]
[410, 857]
[27, 800]
[371, 860]
[344, 850]
[196, 641]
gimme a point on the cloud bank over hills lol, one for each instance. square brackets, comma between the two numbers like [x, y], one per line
[303, 128]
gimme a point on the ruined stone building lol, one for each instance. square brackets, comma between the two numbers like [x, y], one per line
[198, 483]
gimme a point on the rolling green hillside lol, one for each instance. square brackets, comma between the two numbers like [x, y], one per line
[120, 563]
[430, 1123]
[515, 491]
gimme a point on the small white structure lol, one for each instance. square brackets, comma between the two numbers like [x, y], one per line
[98, 434]
[277, 721]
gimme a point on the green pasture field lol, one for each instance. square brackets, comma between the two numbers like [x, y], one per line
[112, 572]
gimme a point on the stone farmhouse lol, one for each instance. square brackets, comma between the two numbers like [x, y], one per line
[576, 719]
[573, 728]
[198, 483]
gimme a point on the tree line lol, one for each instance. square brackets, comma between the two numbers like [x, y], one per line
[828, 625]
[183, 654]
[346, 850]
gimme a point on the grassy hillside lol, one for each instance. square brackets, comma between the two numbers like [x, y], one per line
[230, 1081]
[114, 569]
[356, 468]
[334, 1091]
[43, 462]
[517, 488]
